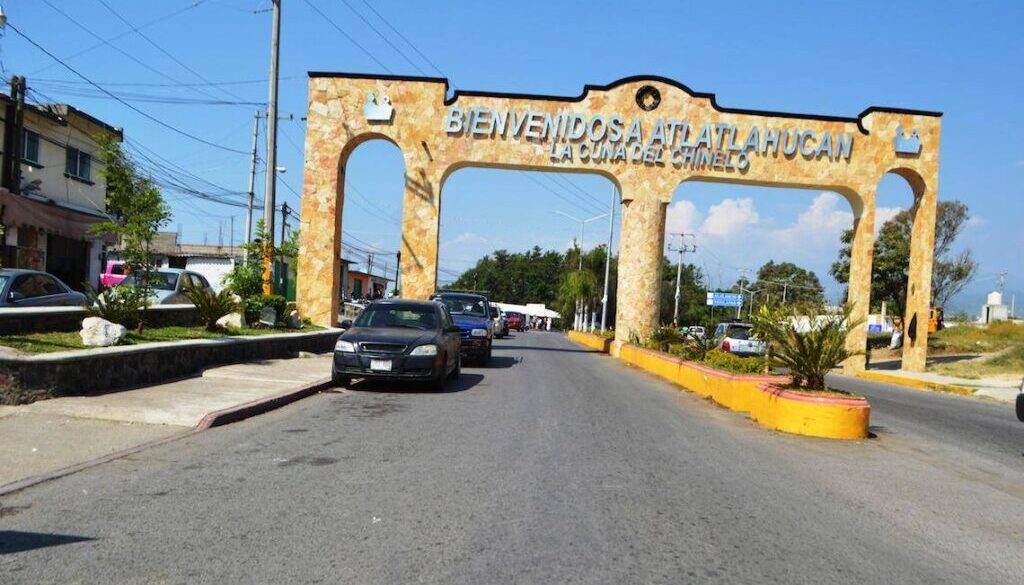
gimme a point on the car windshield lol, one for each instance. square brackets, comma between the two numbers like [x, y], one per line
[160, 280]
[3, 281]
[738, 331]
[392, 316]
[465, 306]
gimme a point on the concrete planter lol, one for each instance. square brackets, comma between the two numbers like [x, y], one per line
[763, 397]
[47, 319]
[25, 379]
[595, 342]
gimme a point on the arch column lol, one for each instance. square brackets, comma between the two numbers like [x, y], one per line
[919, 277]
[318, 280]
[641, 253]
[421, 220]
[858, 293]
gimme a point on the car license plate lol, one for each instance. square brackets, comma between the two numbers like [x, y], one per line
[380, 365]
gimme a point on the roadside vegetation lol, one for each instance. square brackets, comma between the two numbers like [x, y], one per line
[999, 346]
[71, 340]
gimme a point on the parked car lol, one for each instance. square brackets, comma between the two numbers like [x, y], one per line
[516, 321]
[35, 288]
[397, 339]
[738, 338]
[694, 331]
[499, 321]
[113, 274]
[472, 313]
[171, 285]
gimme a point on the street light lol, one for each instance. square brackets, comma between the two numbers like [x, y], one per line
[583, 223]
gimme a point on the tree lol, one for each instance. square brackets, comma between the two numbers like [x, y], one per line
[137, 211]
[246, 278]
[891, 262]
[785, 279]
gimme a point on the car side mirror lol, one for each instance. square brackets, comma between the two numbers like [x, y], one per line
[15, 296]
[346, 324]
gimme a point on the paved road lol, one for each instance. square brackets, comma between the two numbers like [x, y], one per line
[553, 466]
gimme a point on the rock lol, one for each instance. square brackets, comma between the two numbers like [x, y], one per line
[234, 320]
[293, 321]
[268, 316]
[97, 332]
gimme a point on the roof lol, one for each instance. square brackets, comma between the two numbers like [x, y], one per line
[403, 303]
[457, 295]
[59, 113]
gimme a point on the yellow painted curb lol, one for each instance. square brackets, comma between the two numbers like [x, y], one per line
[915, 383]
[595, 342]
[769, 404]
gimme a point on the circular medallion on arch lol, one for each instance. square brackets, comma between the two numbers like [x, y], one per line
[648, 98]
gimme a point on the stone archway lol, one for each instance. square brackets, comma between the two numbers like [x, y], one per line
[647, 134]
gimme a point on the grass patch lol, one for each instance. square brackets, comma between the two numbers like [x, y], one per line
[994, 337]
[1007, 363]
[70, 340]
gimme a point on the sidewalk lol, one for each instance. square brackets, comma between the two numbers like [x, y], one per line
[996, 389]
[48, 436]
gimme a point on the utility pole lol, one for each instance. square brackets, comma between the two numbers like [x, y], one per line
[1002, 283]
[743, 278]
[271, 185]
[252, 179]
[682, 249]
[284, 220]
[608, 258]
[14, 127]
[398, 265]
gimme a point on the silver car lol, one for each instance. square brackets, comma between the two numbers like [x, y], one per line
[171, 285]
[35, 288]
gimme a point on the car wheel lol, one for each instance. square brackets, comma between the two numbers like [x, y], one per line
[341, 381]
[487, 356]
[1020, 407]
[457, 371]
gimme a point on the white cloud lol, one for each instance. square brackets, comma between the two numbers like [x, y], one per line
[729, 217]
[884, 214]
[465, 238]
[682, 217]
[976, 221]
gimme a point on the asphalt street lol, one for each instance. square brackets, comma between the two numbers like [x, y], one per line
[554, 465]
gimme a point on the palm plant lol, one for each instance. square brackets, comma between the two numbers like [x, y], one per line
[122, 305]
[662, 338]
[809, 355]
[212, 306]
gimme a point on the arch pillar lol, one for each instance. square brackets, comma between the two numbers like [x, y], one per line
[421, 219]
[858, 293]
[318, 281]
[919, 276]
[641, 253]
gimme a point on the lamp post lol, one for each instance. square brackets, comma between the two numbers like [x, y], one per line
[583, 223]
[608, 257]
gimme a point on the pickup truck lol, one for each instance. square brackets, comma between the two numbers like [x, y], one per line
[736, 338]
[113, 274]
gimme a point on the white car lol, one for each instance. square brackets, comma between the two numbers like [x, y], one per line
[498, 321]
[737, 338]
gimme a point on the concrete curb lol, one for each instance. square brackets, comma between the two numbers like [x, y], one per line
[214, 419]
[249, 409]
[915, 383]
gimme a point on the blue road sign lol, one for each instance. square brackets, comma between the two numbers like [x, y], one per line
[724, 299]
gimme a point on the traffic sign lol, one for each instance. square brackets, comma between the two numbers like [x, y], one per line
[724, 299]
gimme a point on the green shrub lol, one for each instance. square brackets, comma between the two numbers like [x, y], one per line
[723, 360]
[245, 280]
[662, 338]
[122, 305]
[254, 305]
[811, 354]
[212, 306]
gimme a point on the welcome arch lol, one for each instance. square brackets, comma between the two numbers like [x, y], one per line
[648, 134]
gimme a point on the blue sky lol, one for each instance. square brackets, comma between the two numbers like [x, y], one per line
[815, 57]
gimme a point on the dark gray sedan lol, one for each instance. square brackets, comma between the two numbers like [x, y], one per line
[34, 288]
[399, 340]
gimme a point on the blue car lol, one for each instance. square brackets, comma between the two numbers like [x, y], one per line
[472, 314]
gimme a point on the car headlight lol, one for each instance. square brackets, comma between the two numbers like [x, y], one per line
[343, 345]
[425, 350]
[478, 333]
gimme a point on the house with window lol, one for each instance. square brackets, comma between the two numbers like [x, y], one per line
[51, 191]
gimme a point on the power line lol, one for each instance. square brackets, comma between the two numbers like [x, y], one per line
[190, 6]
[381, 35]
[124, 103]
[165, 52]
[146, 84]
[347, 36]
[401, 36]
